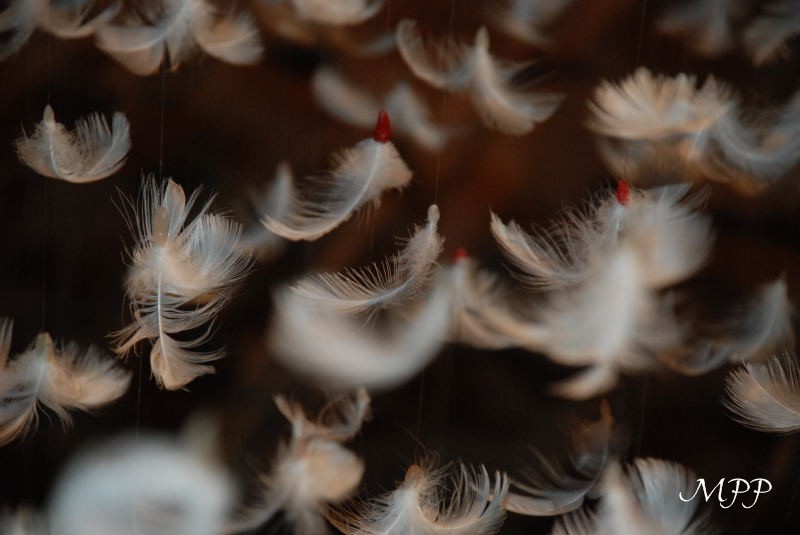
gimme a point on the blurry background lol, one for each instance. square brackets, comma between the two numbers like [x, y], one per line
[224, 127]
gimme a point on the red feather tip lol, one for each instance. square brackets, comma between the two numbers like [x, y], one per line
[383, 128]
[623, 192]
[460, 254]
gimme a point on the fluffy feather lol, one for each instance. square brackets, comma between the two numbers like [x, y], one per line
[274, 200]
[475, 71]
[338, 12]
[529, 20]
[765, 38]
[360, 176]
[60, 379]
[430, 502]
[350, 104]
[554, 489]
[146, 485]
[313, 470]
[398, 280]
[605, 269]
[706, 25]
[91, 152]
[341, 353]
[644, 501]
[172, 29]
[646, 118]
[183, 272]
[766, 397]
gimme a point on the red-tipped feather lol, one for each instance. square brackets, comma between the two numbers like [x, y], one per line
[383, 128]
[623, 192]
[460, 254]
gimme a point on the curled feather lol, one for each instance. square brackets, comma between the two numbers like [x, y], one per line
[183, 272]
[59, 378]
[430, 502]
[341, 353]
[360, 176]
[473, 70]
[766, 397]
[388, 284]
[173, 29]
[91, 152]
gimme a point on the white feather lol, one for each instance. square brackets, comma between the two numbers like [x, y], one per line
[475, 71]
[273, 200]
[360, 176]
[706, 25]
[143, 485]
[391, 283]
[430, 502]
[173, 31]
[19, 19]
[60, 379]
[766, 397]
[645, 501]
[529, 20]
[72, 20]
[350, 104]
[551, 488]
[338, 12]
[341, 353]
[765, 38]
[183, 272]
[313, 470]
[91, 152]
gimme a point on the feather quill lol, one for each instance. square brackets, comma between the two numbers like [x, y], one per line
[59, 378]
[150, 484]
[350, 104]
[391, 283]
[183, 272]
[766, 397]
[473, 70]
[313, 469]
[430, 502]
[91, 152]
[643, 501]
[360, 176]
[173, 29]
[341, 353]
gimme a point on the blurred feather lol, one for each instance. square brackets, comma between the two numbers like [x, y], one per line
[391, 283]
[350, 104]
[91, 152]
[60, 379]
[172, 29]
[705, 25]
[341, 353]
[529, 20]
[360, 176]
[643, 501]
[551, 488]
[182, 274]
[765, 38]
[313, 470]
[273, 200]
[22, 522]
[766, 397]
[338, 12]
[430, 502]
[143, 485]
[461, 68]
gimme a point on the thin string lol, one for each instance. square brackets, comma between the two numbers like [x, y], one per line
[45, 218]
[442, 105]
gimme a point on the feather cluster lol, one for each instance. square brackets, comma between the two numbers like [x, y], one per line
[458, 501]
[183, 272]
[473, 70]
[91, 152]
[172, 30]
[605, 271]
[647, 122]
[642, 501]
[59, 378]
[766, 397]
[313, 470]
[361, 174]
